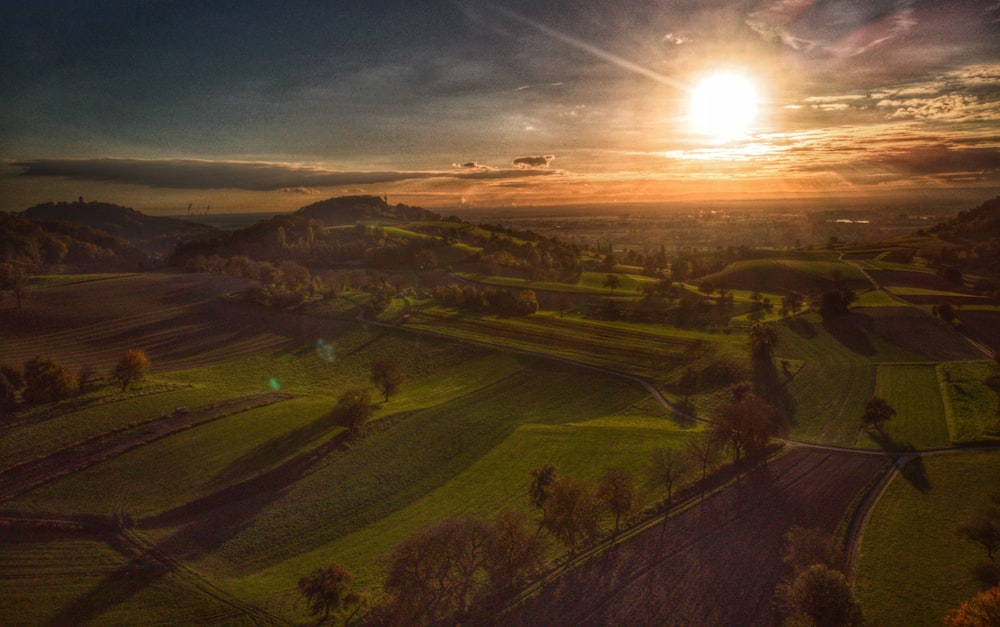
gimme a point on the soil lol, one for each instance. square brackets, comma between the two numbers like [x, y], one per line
[716, 563]
[179, 320]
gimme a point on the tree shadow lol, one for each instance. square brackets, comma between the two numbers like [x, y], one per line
[800, 326]
[208, 522]
[772, 386]
[139, 573]
[912, 468]
[848, 331]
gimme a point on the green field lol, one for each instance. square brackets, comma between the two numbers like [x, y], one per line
[973, 400]
[913, 567]
[73, 581]
[913, 391]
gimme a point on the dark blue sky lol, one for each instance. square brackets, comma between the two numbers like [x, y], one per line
[153, 99]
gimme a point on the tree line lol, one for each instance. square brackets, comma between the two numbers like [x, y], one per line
[44, 380]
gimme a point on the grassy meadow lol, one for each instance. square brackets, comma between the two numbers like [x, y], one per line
[913, 566]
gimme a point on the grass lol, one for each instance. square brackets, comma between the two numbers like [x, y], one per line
[390, 470]
[497, 480]
[68, 580]
[913, 567]
[973, 403]
[646, 350]
[913, 391]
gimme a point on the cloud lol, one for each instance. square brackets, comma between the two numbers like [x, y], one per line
[540, 161]
[253, 176]
[472, 165]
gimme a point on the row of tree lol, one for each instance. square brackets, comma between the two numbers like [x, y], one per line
[44, 380]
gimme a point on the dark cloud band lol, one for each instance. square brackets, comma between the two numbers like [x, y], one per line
[254, 176]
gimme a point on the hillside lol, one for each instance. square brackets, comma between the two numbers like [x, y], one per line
[151, 234]
[980, 224]
[63, 246]
[352, 209]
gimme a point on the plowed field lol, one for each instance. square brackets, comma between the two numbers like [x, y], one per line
[180, 320]
[715, 564]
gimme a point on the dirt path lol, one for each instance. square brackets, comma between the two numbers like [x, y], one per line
[23, 477]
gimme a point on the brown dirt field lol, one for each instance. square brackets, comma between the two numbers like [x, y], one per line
[180, 320]
[714, 564]
[983, 326]
[916, 331]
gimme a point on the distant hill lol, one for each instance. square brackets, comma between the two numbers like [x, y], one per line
[353, 209]
[151, 234]
[975, 225]
[58, 246]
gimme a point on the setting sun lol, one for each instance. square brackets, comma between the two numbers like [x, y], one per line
[723, 106]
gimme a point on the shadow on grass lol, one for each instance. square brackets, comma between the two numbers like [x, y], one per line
[847, 330]
[208, 522]
[912, 470]
[117, 587]
[801, 326]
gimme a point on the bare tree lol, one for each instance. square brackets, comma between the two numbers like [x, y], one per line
[617, 490]
[666, 467]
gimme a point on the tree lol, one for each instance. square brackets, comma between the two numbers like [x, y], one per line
[617, 491]
[14, 279]
[702, 450]
[46, 381]
[877, 413]
[541, 478]
[746, 425]
[8, 394]
[763, 340]
[354, 408]
[571, 511]
[387, 374]
[688, 383]
[820, 595]
[836, 302]
[946, 311]
[512, 551]
[327, 591]
[433, 574]
[612, 282]
[666, 467]
[983, 610]
[791, 303]
[805, 547]
[527, 303]
[131, 368]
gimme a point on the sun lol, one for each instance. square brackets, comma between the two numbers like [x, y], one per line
[723, 106]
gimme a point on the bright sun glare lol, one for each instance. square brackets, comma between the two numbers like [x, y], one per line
[723, 106]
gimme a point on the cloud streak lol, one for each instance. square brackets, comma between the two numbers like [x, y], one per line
[253, 176]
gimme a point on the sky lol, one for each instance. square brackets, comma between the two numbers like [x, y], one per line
[220, 106]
